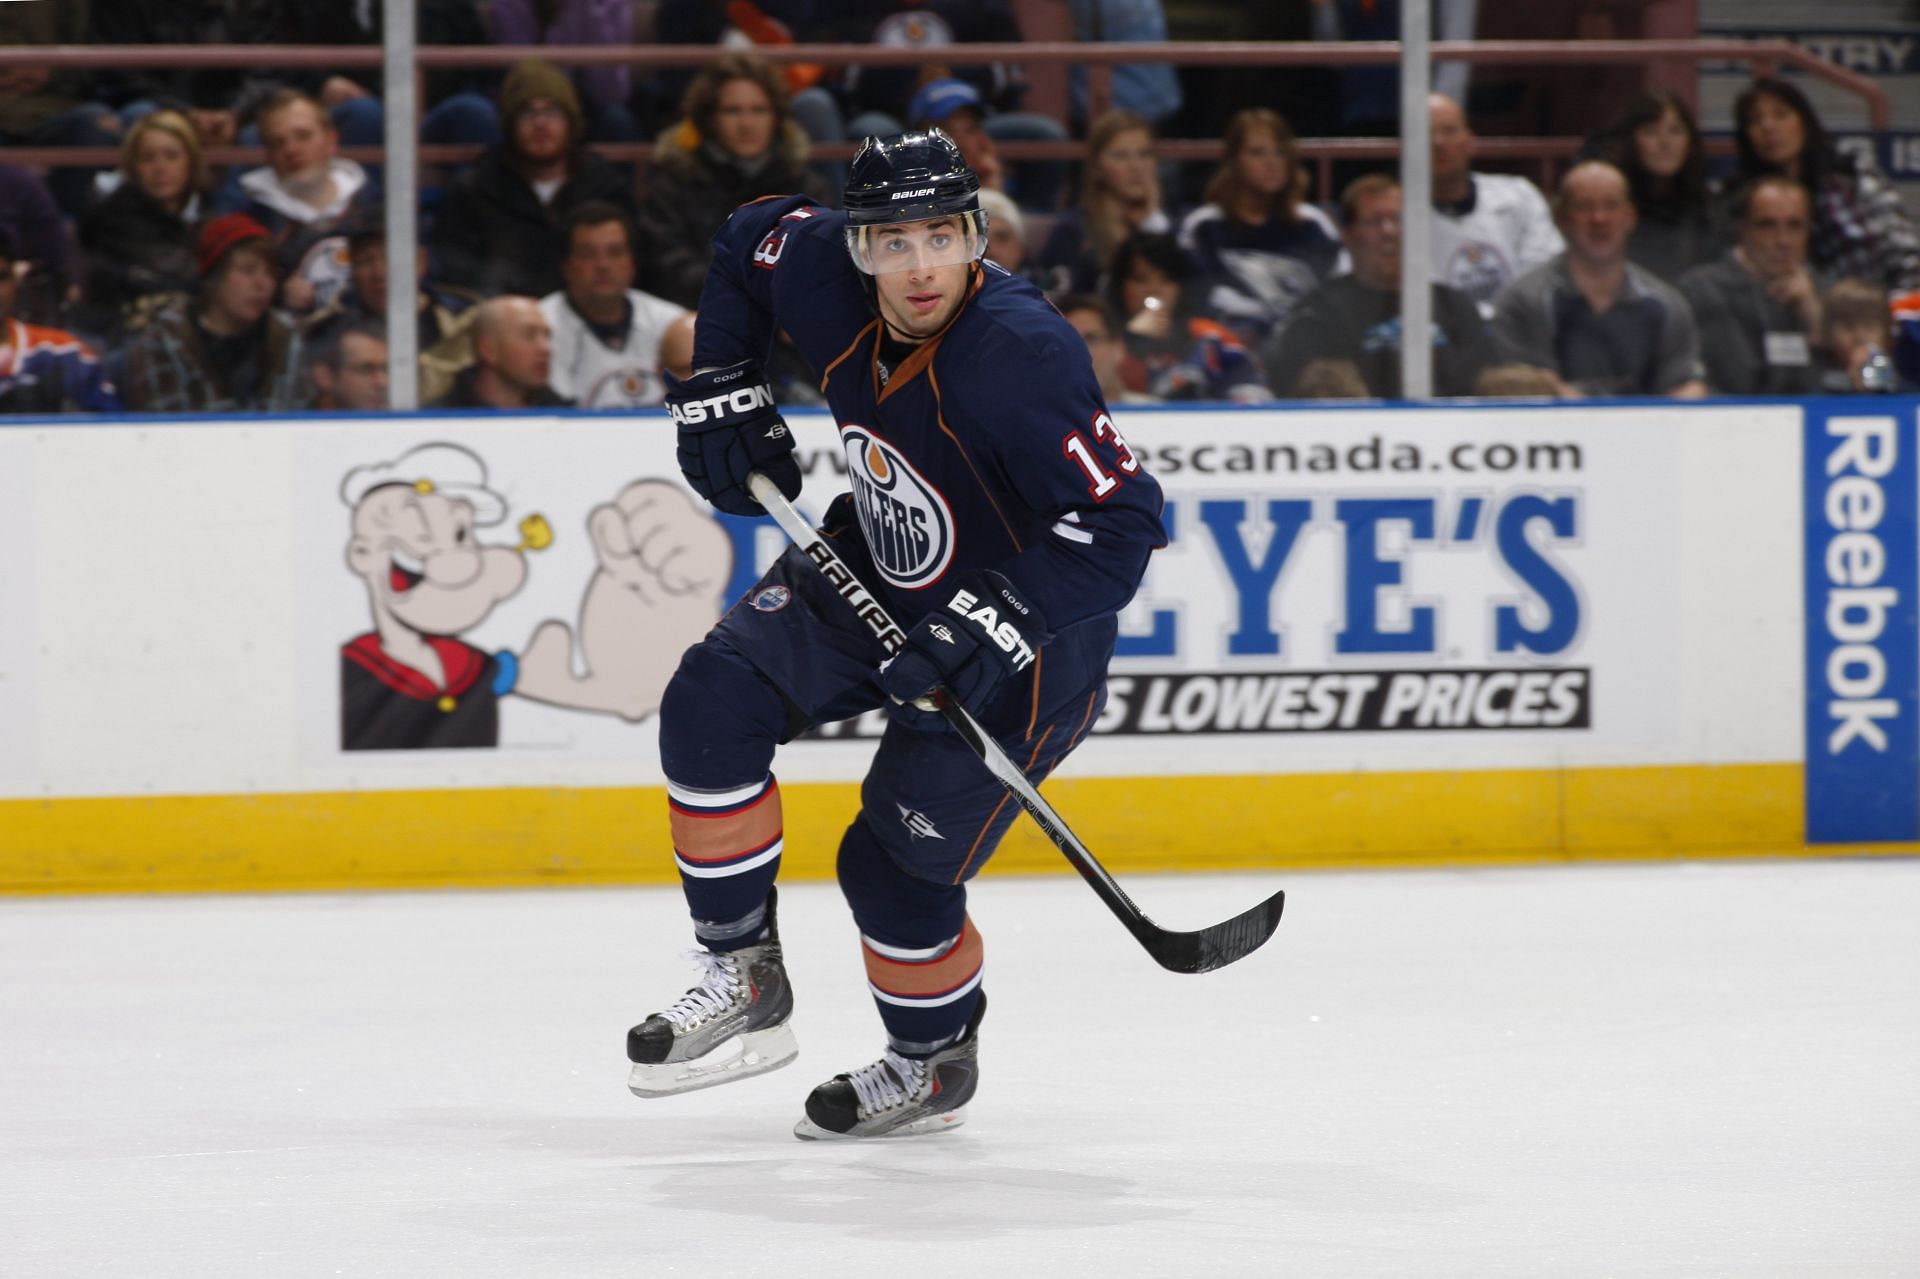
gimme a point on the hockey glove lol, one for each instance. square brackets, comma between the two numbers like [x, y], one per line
[985, 632]
[728, 428]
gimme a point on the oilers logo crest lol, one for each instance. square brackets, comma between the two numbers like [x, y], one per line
[1478, 269]
[908, 524]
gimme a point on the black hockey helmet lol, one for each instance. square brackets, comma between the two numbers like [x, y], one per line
[909, 177]
[912, 177]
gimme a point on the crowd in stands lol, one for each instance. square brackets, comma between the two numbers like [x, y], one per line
[551, 275]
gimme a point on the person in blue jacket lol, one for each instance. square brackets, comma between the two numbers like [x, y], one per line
[993, 501]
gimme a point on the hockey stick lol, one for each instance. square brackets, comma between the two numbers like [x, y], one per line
[1196, 952]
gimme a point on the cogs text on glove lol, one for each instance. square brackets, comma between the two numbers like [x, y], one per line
[729, 426]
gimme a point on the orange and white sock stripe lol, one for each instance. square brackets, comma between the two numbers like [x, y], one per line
[722, 833]
[924, 978]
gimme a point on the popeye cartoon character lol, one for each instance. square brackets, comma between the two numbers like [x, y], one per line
[412, 683]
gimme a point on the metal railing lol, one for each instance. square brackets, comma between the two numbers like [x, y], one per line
[1099, 60]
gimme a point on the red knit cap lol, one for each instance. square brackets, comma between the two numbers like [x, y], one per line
[224, 233]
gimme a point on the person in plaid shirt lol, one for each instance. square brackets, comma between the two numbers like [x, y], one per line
[1860, 227]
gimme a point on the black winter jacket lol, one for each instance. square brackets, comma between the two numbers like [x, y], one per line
[493, 236]
[690, 195]
[135, 249]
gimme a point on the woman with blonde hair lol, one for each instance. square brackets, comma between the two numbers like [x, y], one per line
[1119, 197]
[1256, 241]
[736, 142]
[140, 240]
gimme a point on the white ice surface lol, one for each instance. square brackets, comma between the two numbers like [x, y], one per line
[1687, 1070]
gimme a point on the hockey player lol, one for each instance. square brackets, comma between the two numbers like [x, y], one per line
[994, 501]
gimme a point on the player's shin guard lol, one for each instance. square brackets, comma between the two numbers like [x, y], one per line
[719, 721]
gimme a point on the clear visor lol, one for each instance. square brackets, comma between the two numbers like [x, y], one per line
[948, 240]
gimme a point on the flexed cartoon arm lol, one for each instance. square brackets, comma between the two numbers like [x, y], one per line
[663, 562]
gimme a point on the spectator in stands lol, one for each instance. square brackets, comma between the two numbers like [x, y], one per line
[1182, 354]
[735, 144]
[1857, 341]
[141, 241]
[1860, 228]
[1356, 316]
[1521, 382]
[1330, 380]
[302, 196]
[1099, 326]
[51, 104]
[1655, 142]
[1150, 90]
[1758, 308]
[498, 229]
[956, 107]
[227, 349]
[42, 253]
[458, 107]
[512, 360]
[443, 315]
[1007, 236]
[1488, 228]
[44, 370]
[1119, 196]
[1256, 239]
[217, 100]
[349, 368]
[877, 99]
[1606, 326]
[607, 334]
[604, 90]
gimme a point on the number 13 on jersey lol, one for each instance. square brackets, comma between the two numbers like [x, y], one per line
[1100, 481]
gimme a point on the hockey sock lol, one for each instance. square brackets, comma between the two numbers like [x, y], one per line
[727, 846]
[923, 956]
[719, 720]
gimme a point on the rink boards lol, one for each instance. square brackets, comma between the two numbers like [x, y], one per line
[1378, 636]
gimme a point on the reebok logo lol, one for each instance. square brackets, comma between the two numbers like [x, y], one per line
[1862, 577]
[1857, 601]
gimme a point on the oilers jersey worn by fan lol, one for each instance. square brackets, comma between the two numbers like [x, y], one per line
[987, 446]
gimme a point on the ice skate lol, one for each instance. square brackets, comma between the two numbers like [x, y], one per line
[732, 1025]
[898, 1096]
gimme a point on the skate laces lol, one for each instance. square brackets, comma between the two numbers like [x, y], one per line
[880, 1086]
[719, 983]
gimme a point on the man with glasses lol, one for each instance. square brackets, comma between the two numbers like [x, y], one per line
[498, 230]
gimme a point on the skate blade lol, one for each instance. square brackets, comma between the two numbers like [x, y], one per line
[807, 1130]
[755, 1053]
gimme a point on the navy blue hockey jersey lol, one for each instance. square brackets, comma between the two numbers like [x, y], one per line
[989, 447]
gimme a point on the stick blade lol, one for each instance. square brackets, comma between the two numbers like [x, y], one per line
[1218, 946]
